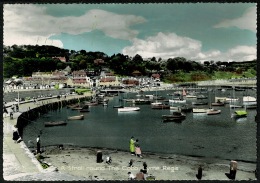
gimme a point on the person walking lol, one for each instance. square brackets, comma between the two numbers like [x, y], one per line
[38, 144]
[132, 145]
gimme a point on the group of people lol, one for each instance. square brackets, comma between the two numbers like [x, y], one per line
[140, 175]
[135, 148]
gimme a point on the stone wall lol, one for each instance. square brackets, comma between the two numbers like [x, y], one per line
[11, 96]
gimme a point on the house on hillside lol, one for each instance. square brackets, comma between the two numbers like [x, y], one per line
[108, 78]
[155, 77]
[62, 59]
[80, 78]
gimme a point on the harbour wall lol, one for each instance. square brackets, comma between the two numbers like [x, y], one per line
[34, 113]
[11, 96]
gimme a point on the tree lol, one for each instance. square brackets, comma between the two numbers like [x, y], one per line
[137, 59]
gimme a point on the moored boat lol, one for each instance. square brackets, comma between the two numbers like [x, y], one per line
[218, 103]
[54, 123]
[79, 117]
[249, 99]
[213, 111]
[199, 103]
[175, 116]
[179, 101]
[73, 106]
[186, 108]
[201, 97]
[128, 109]
[160, 106]
[233, 106]
[118, 106]
[199, 110]
[239, 114]
[141, 101]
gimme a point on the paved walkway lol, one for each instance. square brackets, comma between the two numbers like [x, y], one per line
[18, 162]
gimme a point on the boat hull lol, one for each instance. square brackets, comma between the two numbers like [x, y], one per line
[80, 117]
[128, 109]
[55, 123]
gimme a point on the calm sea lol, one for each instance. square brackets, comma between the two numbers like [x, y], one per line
[217, 136]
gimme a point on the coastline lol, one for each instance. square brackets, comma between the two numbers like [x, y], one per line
[81, 162]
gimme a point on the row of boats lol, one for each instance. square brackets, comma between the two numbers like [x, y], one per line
[178, 106]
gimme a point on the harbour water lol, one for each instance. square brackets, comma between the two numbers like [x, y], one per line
[211, 136]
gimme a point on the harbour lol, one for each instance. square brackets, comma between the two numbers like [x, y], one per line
[211, 136]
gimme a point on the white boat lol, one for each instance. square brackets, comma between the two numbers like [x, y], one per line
[213, 111]
[235, 106]
[232, 99]
[191, 96]
[156, 103]
[175, 108]
[249, 99]
[220, 99]
[128, 109]
[179, 101]
[199, 110]
[80, 117]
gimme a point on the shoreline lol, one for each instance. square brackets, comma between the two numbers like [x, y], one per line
[81, 162]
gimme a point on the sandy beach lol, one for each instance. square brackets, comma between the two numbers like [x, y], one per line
[81, 162]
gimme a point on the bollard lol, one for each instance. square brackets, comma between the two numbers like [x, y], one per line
[233, 169]
[99, 157]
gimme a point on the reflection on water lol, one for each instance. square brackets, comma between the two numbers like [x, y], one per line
[198, 134]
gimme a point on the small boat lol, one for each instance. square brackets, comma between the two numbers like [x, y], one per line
[179, 101]
[191, 95]
[54, 123]
[175, 108]
[250, 106]
[128, 109]
[160, 106]
[218, 103]
[80, 117]
[80, 108]
[233, 106]
[239, 114]
[221, 99]
[175, 116]
[186, 108]
[141, 101]
[73, 106]
[213, 111]
[249, 99]
[231, 99]
[240, 89]
[199, 110]
[118, 106]
[199, 103]
[92, 103]
[85, 108]
[201, 97]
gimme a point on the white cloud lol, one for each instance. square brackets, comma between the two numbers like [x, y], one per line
[164, 46]
[24, 23]
[170, 45]
[246, 21]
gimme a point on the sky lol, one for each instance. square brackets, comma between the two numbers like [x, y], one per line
[195, 31]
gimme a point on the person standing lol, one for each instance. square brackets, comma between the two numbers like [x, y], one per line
[132, 145]
[38, 144]
[138, 151]
[145, 168]
[199, 175]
